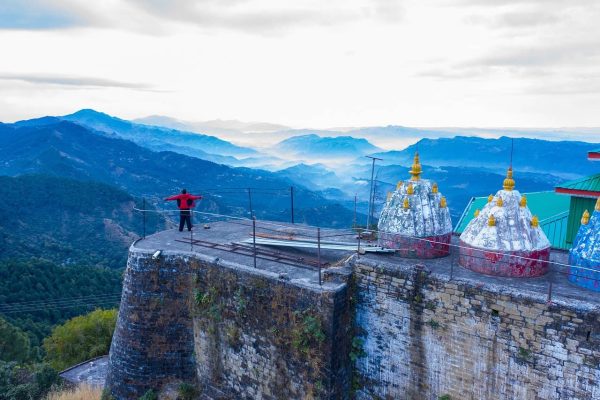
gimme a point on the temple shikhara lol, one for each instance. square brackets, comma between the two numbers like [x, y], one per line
[504, 238]
[415, 220]
[584, 257]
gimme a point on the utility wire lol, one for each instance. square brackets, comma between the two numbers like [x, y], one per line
[67, 299]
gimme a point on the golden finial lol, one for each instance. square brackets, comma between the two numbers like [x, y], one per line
[443, 203]
[597, 208]
[389, 196]
[499, 202]
[410, 189]
[535, 222]
[434, 188]
[490, 198]
[398, 185]
[415, 171]
[492, 220]
[406, 204]
[585, 218]
[523, 201]
[476, 214]
[509, 183]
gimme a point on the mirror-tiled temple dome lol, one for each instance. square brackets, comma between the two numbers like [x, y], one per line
[504, 238]
[415, 220]
[584, 257]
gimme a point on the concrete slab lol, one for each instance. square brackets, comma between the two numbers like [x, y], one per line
[237, 231]
[93, 372]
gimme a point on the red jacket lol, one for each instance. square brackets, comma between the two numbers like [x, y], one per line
[184, 201]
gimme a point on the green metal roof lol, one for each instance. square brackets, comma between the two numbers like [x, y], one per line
[587, 184]
[551, 208]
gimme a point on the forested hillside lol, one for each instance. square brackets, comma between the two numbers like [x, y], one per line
[68, 221]
[35, 295]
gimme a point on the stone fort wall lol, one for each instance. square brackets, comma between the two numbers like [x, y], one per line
[373, 331]
[259, 335]
[425, 337]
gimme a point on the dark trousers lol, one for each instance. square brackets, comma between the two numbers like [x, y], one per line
[185, 217]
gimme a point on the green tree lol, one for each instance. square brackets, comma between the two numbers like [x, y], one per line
[14, 343]
[80, 338]
[81, 288]
[19, 382]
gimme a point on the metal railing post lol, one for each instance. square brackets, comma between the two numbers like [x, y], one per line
[191, 231]
[254, 239]
[358, 247]
[549, 300]
[250, 203]
[319, 253]
[354, 221]
[144, 216]
[292, 200]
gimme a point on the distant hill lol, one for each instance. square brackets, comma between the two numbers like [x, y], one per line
[317, 146]
[213, 127]
[155, 137]
[566, 159]
[313, 176]
[71, 150]
[68, 221]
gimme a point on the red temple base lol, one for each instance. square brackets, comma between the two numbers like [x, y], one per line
[410, 247]
[517, 264]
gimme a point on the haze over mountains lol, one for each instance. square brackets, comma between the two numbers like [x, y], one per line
[264, 134]
[328, 167]
[74, 151]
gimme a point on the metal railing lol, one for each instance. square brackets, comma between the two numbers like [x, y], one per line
[360, 238]
[555, 228]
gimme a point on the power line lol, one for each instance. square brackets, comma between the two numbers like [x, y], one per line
[82, 298]
[59, 307]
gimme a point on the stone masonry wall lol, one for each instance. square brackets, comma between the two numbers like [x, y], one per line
[153, 341]
[424, 337]
[374, 330]
[260, 336]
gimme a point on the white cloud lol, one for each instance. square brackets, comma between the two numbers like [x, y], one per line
[307, 63]
[68, 81]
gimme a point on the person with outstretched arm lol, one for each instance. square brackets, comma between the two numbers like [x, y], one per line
[185, 203]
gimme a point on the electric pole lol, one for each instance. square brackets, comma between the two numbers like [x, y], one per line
[371, 190]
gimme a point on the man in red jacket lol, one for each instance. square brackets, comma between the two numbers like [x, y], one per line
[185, 203]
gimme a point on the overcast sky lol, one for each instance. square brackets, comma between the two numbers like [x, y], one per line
[305, 63]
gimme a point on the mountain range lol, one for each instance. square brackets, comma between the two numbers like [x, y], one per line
[212, 127]
[566, 159]
[155, 137]
[74, 151]
[99, 152]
